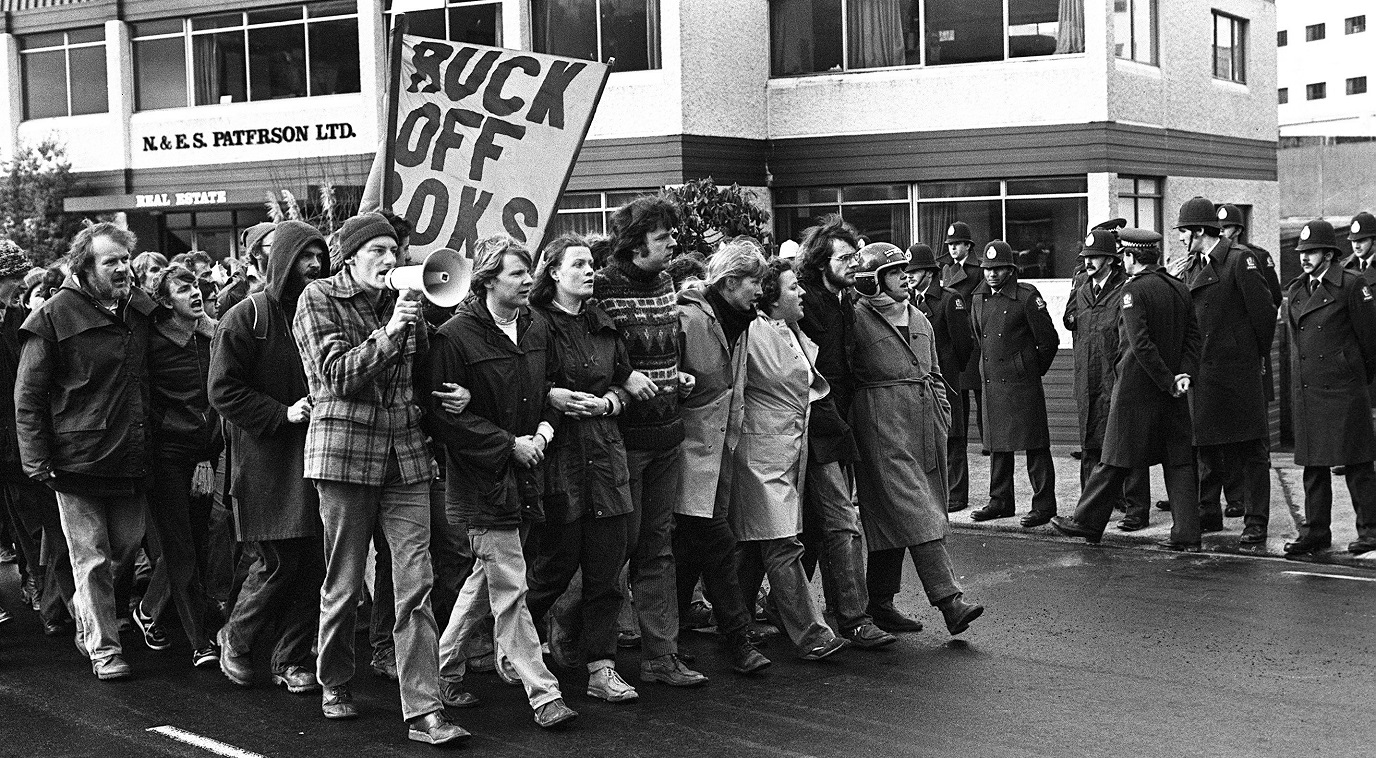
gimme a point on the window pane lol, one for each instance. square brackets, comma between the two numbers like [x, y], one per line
[810, 196]
[34, 41]
[957, 189]
[146, 28]
[617, 199]
[427, 24]
[880, 223]
[964, 31]
[1050, 186]
[334, 57]
[1046, 234]
[805, 36]
[277, 62]
[45, 84]
[1356, 85]
[334, 8]
[218, 68]
[1045, 27]
[222, 21]
[575, 223]
[565, 27]
[571, 200]
[626, 34]
[883, 33]
[1144, 31]
[91, 34]
[271, 15]
[88, 80]
[874, 192]
[789, 223]
[985, 218]
[160, 73]
[478, 24]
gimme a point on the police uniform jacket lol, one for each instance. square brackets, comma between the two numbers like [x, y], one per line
[1017, 343]
[1093, 322]
[1332, 360]
[949, 312]
[1368, 274]
[1159, 340]
[1236, 322]
[965, 278]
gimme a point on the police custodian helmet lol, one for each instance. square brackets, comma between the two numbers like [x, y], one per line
[1198, 211]
[1101, 242]
[997, 254]
[1317, 235]
[1363, 227]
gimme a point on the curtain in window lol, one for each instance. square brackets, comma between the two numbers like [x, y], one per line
[791, 36]
[876, 33]
[932, 221]
[1070, 32]
[206, 68]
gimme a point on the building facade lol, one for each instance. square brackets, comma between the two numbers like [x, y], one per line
[1323, 62]
[1027, 119]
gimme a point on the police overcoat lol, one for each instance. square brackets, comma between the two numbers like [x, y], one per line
[1332, 360]
[1093, 323]
[965, 279]
[1017, 343]
[949, 312]
[900, 418]
[1159, 340]
[1237, 322]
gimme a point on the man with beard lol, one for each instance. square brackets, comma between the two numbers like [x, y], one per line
[81, 409]
[258, 386]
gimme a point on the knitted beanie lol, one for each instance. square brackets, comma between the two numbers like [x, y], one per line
[13, 261]
[356, 232]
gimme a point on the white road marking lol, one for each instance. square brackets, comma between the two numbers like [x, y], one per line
[204, 743]
[1331, 576]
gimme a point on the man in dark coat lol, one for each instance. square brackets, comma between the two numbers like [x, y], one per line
[1091, 316]
[1149, 417]
[949, 313]
[1017, 343]
[82, 411]
[1237, 323]
[258, 386]
[1361, 232]
[825, 266]
[1332, 324]
[963, 274]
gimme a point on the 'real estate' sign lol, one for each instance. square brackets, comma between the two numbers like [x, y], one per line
[174, 199]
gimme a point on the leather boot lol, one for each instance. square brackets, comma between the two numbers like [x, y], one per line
[959, 613]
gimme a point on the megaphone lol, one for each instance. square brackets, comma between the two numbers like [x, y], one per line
[444, 277]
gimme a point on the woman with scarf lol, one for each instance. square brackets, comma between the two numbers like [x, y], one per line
[900, 417]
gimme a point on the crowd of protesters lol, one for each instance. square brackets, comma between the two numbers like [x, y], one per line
[607, 442]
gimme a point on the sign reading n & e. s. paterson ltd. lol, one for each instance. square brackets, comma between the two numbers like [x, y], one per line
[239, 137]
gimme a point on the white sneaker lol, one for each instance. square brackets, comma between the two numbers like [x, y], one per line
[608, 685]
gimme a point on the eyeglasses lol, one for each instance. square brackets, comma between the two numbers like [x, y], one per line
[846, 257]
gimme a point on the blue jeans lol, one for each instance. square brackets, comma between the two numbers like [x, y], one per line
[829, 512]
[103, 533]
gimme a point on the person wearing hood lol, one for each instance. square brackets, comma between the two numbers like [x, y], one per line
[258, 386]
[185, 437]
[901, 417]
[256, 247]
[715, 323]
[81, 410]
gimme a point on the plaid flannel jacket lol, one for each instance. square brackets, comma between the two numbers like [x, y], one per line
[361, 386]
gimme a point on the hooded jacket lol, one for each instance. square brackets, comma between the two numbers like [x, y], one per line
[255, 375]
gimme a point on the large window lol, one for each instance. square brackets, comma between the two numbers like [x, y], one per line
[816, 36]
[882, 212]
[478, 22]
[64, 73]
[1315, 32]
[1316, 91]
[627, 30]
[215, 232]
[589, 212]
[268, 54]
[1134, 29]
[1230, 48]
[1139, 201]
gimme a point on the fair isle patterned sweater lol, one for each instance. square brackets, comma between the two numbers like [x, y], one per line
[643, 305]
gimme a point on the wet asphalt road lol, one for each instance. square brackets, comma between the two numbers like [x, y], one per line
[1084, 651]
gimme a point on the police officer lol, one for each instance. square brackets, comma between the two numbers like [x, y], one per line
[1149, 416]
[1078, 278]
[963, 274]
[1362, 234]
[1232, 225]
[1091, 316]
[1017, 343]
[1237, 322]
[1332, 325]
[949, 313]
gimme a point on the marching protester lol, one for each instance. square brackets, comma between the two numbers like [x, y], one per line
[257, 384]
[949, 313]
[638, 295]
[1329, 313]
[964, 276]
[825, 267]
[1092, 316]
[1017, 343]
[587, 502]
[369, 461]
[255, 248]
[765, 511]
[146, 267]
[716, 321]
[900, 417]
[185, 439]
[83, 374]
[1228, 397]
[498, 350]
[1148, 415]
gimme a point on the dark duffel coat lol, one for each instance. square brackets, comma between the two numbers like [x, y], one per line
[1332, 360]
[1159, 339]
[1237, 322]
[965, 279]
[1018, 342]
[1368, 275]
[1093, 323]
[829, 321]
[949, 312]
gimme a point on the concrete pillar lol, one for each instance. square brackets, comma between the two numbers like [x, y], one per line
[372, 48]
[12, 105]
[516, 25]
[119, 76]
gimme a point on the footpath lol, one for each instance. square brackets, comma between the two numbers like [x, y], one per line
[1287, 496]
